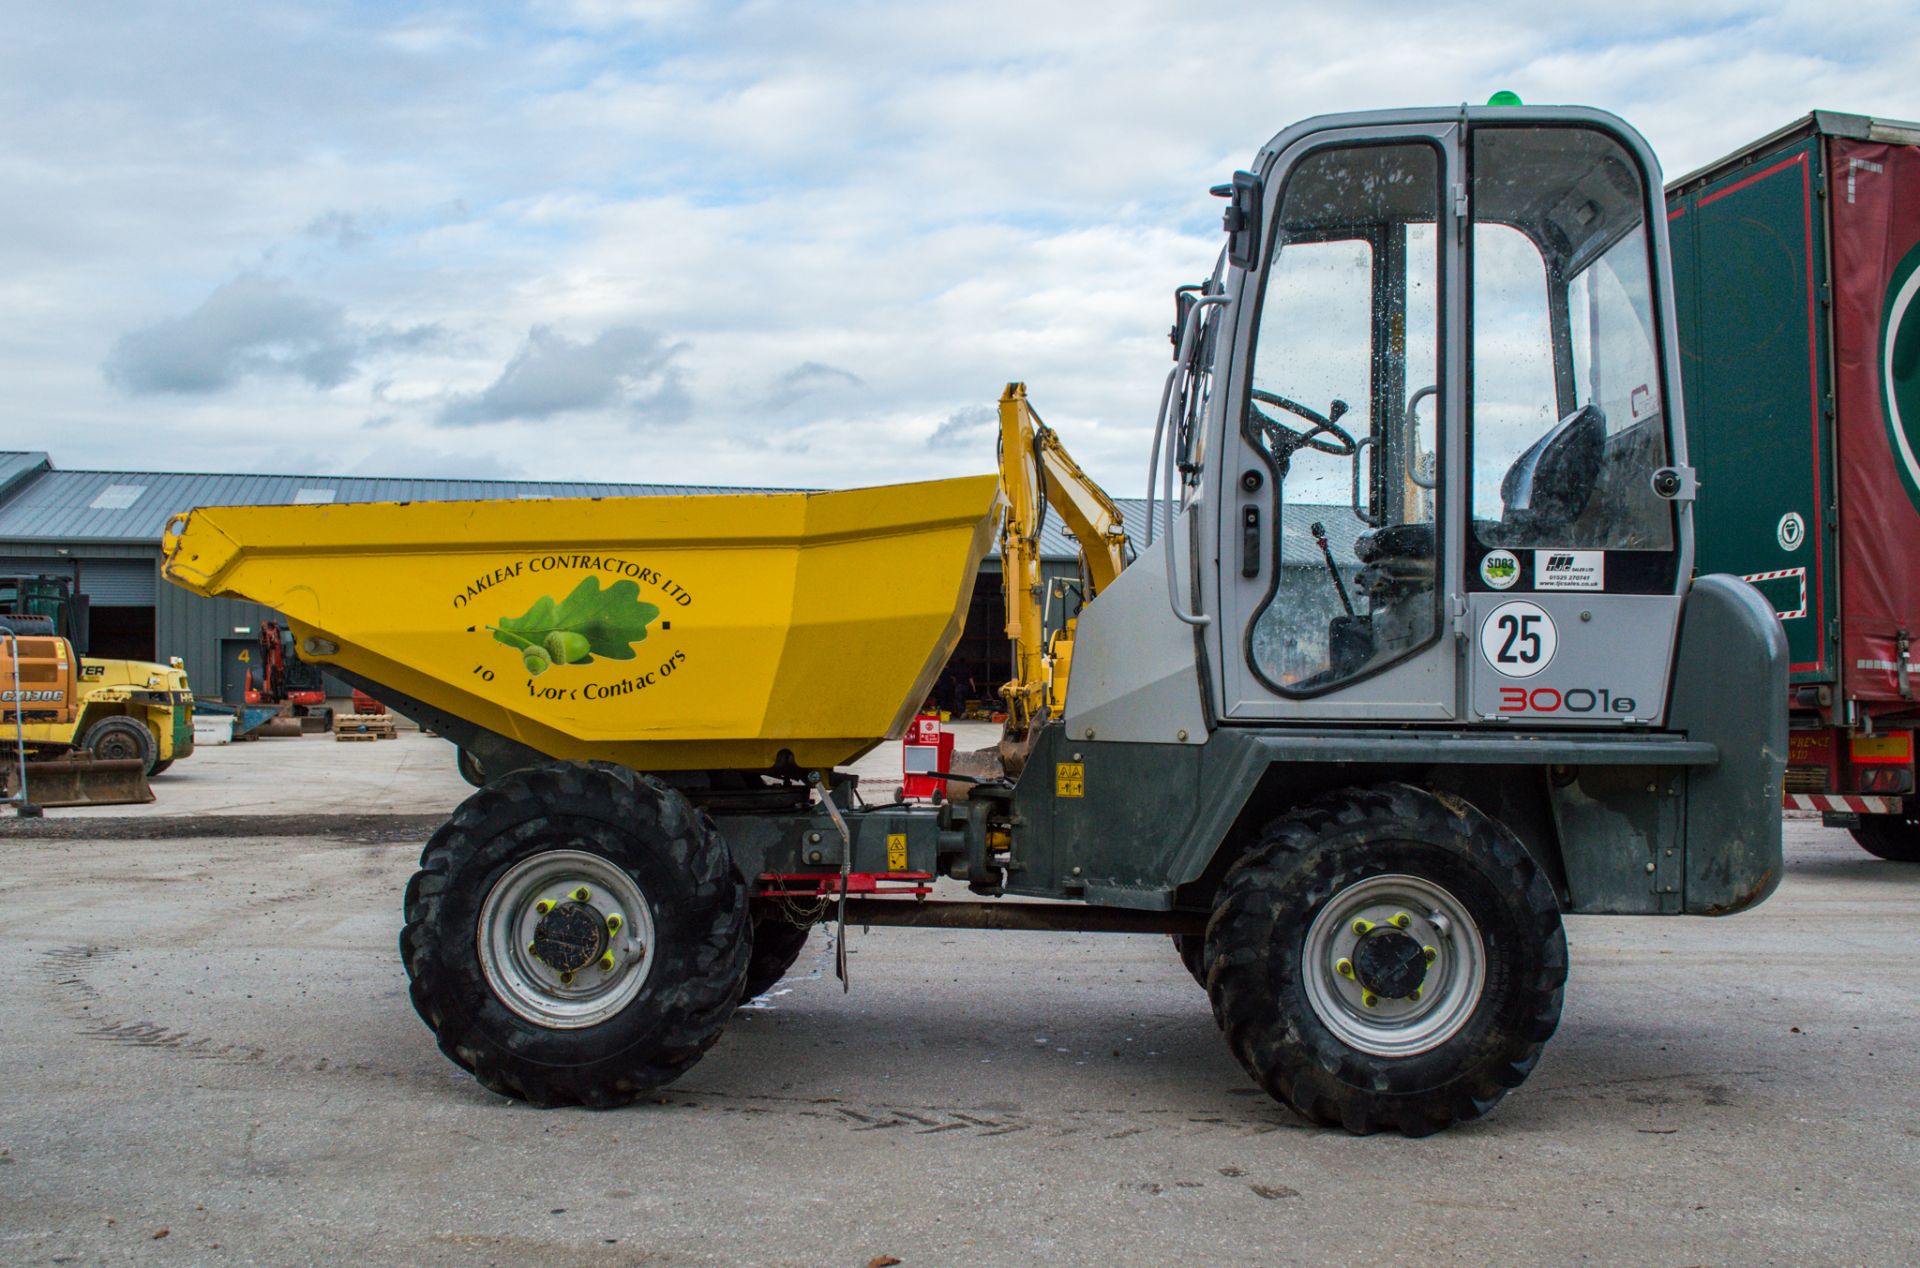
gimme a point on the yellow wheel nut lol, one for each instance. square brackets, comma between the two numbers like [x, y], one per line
[1363, 927]
[613, 923]
[544, 906]
[1414, 994]
[1402, 920]
[1344, 968]
[583, 894]
[1430, 953]
[566, 979]
[1369, 999]
[606, 962]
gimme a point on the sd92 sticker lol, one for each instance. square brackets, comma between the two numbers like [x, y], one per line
[1518, 639]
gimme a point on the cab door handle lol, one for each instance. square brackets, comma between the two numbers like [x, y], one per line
[1249, 541]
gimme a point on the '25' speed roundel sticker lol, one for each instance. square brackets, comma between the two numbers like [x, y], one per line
[1518, 639]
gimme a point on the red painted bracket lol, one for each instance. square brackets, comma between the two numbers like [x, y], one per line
[827, 884]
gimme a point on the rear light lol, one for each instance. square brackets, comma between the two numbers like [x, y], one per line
[1886, 779]
[1882, 763]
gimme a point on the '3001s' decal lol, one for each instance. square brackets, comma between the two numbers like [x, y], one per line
[1572, 700]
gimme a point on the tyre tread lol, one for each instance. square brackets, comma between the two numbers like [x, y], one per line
[700, 1004]
[1303, 1070]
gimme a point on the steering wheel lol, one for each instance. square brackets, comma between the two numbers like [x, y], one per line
[1288, 439]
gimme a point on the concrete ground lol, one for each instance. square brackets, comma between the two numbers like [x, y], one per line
[209, 1056]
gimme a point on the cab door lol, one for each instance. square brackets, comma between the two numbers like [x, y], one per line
[1341, 556]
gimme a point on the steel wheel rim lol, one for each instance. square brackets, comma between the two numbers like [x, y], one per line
[510, 920]
[117, 746]
[1394, 1026]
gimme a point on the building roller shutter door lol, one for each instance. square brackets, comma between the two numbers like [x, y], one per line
[119, 583]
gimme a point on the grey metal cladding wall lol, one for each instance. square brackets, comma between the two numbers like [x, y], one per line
[123, 579]
[112, 575]
[190, 627]
[35, 566]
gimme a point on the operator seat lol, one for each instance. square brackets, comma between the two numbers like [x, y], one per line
[1398, 557]
[1549, 484]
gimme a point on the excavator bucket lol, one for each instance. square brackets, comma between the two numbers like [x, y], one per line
[80, 780]
[712, 632]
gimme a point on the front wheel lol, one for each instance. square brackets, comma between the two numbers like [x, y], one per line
[120, 739]
[1387, 958]
[1895, 838]
[576, 934]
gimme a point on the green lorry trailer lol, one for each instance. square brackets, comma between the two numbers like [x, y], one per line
[1796, 266]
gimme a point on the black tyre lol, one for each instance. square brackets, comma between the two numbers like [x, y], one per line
[777, 943]
[1387, 958]
[1895, 838]
[576, 934]
[470, 768]
[158, 768]
[1192, 950]
[119, 739]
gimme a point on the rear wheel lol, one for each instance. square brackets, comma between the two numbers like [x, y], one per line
[777, 943]
[120, 739]
[158, 768]
[1892, 837]
[576, 934]
[1387, 958]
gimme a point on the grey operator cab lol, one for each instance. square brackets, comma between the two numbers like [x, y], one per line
[1435, 442]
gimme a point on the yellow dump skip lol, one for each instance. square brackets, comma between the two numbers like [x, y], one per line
[665, 633]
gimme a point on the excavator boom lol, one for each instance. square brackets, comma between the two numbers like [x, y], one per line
[1037, 473]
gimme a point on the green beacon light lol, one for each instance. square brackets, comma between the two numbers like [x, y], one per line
[1505, 97]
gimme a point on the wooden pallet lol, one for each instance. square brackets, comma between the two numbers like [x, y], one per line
[363, 726]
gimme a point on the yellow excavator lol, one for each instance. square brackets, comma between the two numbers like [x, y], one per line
[1037, 474]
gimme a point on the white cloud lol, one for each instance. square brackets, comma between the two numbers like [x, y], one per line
[252, 325]
[624, 368]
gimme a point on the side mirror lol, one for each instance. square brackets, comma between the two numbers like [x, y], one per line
[1182, 305]
[1242, 218]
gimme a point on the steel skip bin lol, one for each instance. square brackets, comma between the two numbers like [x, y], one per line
[664, 633]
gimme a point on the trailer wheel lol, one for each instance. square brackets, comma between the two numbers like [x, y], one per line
[777, 943]
[1192, 949]
[119, 739]
[1386, 958]
[1895, 838]
[576, 934]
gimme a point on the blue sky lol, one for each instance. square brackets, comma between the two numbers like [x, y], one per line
[733, 243]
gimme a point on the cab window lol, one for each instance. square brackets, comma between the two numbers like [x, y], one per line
[1567, 417]
[1344, 405]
